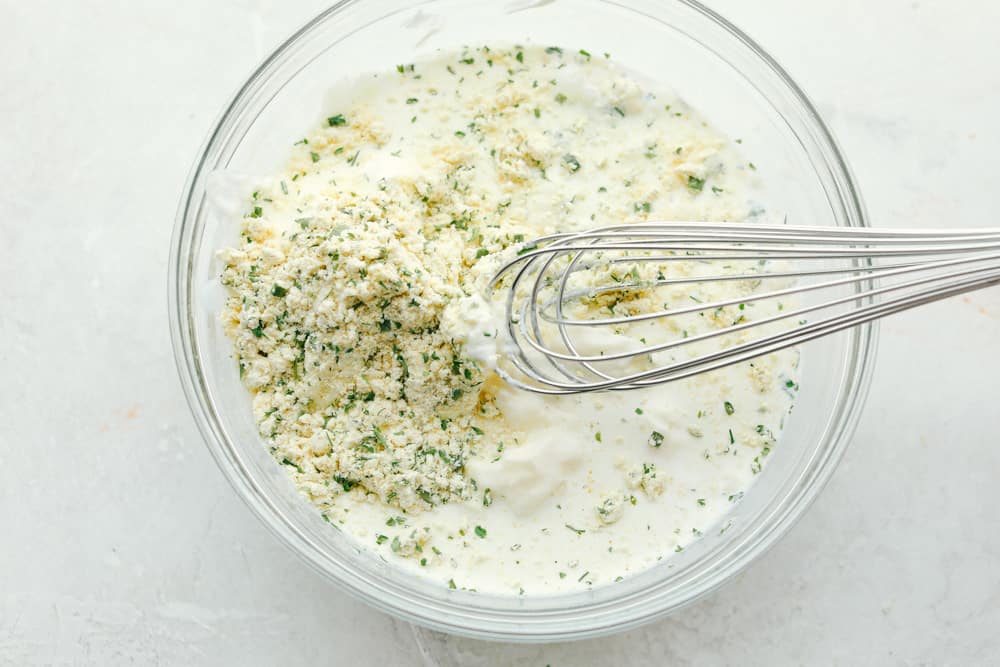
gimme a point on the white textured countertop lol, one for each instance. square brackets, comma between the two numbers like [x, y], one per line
[123, 544]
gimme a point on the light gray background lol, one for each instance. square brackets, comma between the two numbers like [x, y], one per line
[120, 542]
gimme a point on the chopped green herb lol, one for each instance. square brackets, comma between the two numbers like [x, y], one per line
[480, 532]
[337, 120]
[655, 439]
[345, 483]
[729, 408]
[695, 183]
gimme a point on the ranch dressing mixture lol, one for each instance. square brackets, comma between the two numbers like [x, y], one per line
[357, 312]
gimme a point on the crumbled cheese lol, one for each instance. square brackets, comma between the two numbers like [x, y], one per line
[610, 509]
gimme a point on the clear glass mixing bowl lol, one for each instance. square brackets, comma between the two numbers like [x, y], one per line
[722, 73]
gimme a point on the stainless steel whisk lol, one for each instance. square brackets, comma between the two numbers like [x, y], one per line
[850, 275]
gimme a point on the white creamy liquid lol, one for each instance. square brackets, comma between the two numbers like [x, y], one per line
[555, 493]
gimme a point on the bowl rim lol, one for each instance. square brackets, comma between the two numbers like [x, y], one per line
[861, 360]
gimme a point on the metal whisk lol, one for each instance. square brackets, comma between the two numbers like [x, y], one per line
[627, 279]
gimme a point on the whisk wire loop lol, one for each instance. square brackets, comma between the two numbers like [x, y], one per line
[556, 287]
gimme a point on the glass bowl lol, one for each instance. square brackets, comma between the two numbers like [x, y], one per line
[723, 74]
